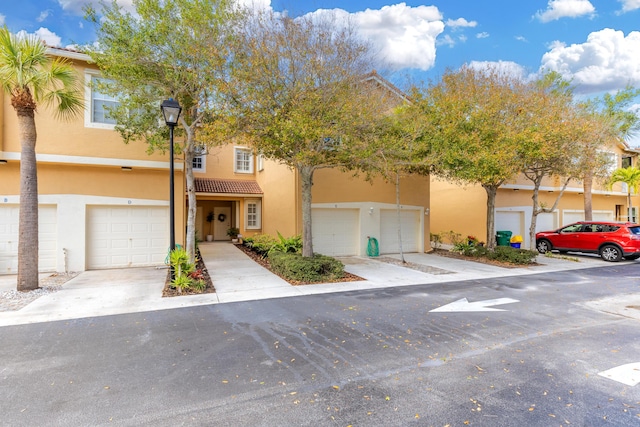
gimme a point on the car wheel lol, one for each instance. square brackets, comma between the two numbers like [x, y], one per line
[631, 257]
[611, 253]
[543, 246]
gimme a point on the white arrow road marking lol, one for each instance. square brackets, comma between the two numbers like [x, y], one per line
[628, 374]
[464, 305]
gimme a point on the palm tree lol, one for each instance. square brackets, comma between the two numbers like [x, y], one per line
[31, 77]
[629, 176]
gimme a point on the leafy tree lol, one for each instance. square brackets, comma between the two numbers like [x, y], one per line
[554, 136]
[394, 151]
[31, 77]
[609, 122]
[301, 95]
[166, 49]
[476, 122]
[631, 177]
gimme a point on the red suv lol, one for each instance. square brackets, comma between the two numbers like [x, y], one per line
[611, 240]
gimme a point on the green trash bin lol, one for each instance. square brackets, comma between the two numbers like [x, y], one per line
[503, 238]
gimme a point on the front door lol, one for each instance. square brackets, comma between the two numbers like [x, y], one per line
[221, 222]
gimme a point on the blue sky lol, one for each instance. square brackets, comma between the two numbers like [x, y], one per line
[596, 43]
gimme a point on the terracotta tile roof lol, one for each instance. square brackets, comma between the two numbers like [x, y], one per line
[232, 186]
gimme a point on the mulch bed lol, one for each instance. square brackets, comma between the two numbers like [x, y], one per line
[348, 277]
[170, 291]
[449, 254]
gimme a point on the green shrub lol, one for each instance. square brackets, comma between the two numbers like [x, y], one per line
[436, 238]
[512, 255]
[261, 243]
[453, 237]
[293, 266]
[179, 259]
[464, 248]
[289, 244]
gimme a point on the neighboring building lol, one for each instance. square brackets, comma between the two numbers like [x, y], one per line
[104, 204]
[463, 209]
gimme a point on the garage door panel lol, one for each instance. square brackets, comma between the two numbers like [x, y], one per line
[335, 231]
[546, 222]
[571, 217]
[136, 236]
[410, 231]
[47, 238]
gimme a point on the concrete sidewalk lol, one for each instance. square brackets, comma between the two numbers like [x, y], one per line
[238, 278]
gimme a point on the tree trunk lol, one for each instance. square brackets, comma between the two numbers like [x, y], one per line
[629, 208]
[491, 215]
[191, 204]
[306, 178]
[28, 223]
[537, 210]
[399, 217]
[587, 185]
[534, 216]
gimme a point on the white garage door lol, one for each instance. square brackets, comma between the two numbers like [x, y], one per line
[603, 216]
[546, 222]
[47, 238]
[510, 221]
[335, 231]
[410, 230]
[573, 216]
[126, 236]
[569, 217]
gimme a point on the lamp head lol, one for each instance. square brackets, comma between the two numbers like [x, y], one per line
[171, 111]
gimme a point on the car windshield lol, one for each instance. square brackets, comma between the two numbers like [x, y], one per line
[634, 230]
[571, 228]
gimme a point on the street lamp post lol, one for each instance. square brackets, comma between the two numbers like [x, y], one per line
[171, 111]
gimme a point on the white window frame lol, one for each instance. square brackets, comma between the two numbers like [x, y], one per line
[251, 223]
[242, 150]
[203, 164]
[260, 161]
[88, 96]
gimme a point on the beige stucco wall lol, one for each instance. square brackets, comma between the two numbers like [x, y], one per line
[462, 209]
[280, 204]
[72, 138]
[336, 186]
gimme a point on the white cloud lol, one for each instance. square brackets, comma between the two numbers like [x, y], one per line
[44, 34]
[557, 9]
[43, 15]
[522, 39]
[76, 6]
[255, 4]
[461, 22]
[447, 40]
[606, 61]
[629, 5]
[405, 36]
[507, 67]
[2, 18]
[482, 35]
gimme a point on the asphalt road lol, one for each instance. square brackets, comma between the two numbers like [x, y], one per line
[377, 358]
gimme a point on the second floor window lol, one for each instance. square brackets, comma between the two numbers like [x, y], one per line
[100, 103]
[243, 160]
[198, 164]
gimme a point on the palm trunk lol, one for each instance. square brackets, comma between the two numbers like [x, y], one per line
[306, 178]
[28, 222]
